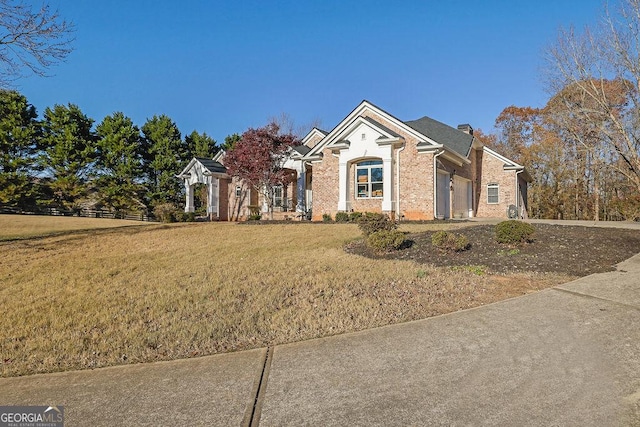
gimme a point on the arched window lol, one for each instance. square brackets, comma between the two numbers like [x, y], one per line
[369, 179]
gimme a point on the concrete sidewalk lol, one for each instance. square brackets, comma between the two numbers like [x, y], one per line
[564, 356]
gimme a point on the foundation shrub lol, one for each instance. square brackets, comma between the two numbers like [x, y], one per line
[385, 240]
[254, 213]
[512, 231]
[342, 217]
[370, 222]
[326, 218]
[447, 241]
[355, 216]
[181, 216]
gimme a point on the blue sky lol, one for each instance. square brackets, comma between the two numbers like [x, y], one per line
[223, 66]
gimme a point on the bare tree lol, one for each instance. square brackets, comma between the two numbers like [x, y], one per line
[595, 75]
[288, 125]
[31, 40]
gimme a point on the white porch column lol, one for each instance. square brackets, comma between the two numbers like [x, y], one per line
[212, 196]
[265, 200]
[387, 185]
[302, 178]
[343, 185]
[189, 206]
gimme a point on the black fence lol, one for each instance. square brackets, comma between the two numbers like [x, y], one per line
[86, 213]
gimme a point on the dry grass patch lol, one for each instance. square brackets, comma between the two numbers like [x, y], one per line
[162, 292]
[24, 226]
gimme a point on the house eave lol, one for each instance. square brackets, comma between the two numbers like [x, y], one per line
[517, 168]
[429, 148]
[339, 145]
[456, 158]
[217, 175]
[314, 158]
[447, 154]
[395, 141]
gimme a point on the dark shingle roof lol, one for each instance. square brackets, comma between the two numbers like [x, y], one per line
[302, 149]
[381, 126]
[212, 166]
[450, 137]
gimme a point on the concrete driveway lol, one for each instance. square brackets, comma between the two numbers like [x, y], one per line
[566, 356]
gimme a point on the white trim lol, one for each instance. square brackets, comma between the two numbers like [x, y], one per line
[355, 114]
[339, 143]
[185, 172]
[356, 117]
[369, 182]
[497, 186]
[397, 176]
[509, 164]
[312, 133]
[219, 156]
[435, 183]
[390, 141]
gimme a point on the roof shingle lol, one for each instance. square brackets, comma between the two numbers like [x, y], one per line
[450, 137]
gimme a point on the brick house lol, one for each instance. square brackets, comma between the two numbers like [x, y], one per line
[414, 170]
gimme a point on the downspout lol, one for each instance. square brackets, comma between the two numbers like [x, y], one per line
[518, 192]
[398, 181]
[435, 176]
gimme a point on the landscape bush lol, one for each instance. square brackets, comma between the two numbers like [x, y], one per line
[165, 212]
[514, 231]
[342, 217]
[450, 242]
[326, 218]
[370, 222]
[385, 240]
[254, 213]
[355, 216]
[182, 216]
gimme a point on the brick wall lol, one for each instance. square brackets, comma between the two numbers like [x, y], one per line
[416, 183]
[325, 186]
[223, 199]
[492, 172]
[313, 141]
[238, 207]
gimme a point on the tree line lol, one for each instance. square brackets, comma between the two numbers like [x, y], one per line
[583, 147]
[63, 161]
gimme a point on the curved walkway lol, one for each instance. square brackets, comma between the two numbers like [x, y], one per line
[568, 355]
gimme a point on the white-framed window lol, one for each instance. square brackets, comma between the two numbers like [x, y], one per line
[277, 196]
[369, 179]
[493, 194]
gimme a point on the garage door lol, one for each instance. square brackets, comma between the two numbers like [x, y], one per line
[461, 197]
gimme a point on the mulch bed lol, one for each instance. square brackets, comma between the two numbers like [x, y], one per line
[573, 250]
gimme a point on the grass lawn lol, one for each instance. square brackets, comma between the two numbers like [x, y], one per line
[25, 226]
[92, 298]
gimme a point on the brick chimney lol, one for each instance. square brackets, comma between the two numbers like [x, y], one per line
[466, 128]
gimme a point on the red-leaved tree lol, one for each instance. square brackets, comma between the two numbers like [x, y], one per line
[258, 159]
